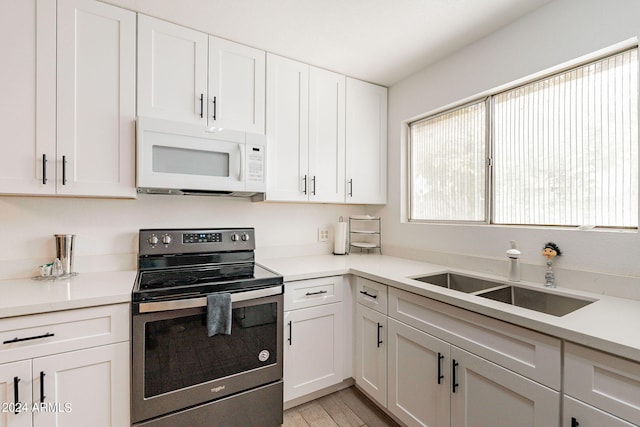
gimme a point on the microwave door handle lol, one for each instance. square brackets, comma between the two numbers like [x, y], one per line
[241, 161]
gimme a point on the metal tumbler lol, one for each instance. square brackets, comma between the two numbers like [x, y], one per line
[64, 251]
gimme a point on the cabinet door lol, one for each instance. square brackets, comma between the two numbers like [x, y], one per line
[366, 141]
[485, 394]
[85, 387]
[313, 350]
[236, 86]
[580, 414]
[96, 99]
[27, 84]
[15, 376]
[371, 353]
[326, 136]
[287, 129]
[419, 380]
[172, 71]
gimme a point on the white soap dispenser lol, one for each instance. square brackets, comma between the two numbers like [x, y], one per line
[514, 262]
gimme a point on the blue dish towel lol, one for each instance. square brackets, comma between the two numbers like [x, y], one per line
[219, 314]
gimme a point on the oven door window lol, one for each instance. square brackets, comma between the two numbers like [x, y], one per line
[178, 353]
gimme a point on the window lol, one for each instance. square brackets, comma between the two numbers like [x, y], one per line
[563, 150]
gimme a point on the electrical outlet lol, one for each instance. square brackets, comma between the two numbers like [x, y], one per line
[323, 234]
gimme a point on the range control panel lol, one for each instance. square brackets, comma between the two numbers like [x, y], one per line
[179, 241]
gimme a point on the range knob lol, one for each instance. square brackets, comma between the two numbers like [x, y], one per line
[166, 239]
[245, 237]
[152, 240]
[234, 237]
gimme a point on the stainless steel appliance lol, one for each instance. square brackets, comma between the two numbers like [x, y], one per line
[180, 375]
[181, 158]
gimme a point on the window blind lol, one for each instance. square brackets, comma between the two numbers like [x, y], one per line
[448, 172]
[566, 147]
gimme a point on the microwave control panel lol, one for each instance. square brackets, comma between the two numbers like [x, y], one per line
[255, 163]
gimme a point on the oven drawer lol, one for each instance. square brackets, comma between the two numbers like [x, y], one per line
[26, 337]
[313, 292]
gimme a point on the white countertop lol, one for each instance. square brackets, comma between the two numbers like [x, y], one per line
[609, 324]
[19, 297]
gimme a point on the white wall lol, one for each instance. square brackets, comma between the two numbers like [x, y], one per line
[558, 32]
[107, 229]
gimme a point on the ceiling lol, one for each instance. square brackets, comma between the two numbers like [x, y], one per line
[380, 41]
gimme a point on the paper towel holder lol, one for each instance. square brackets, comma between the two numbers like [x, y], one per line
[340, 238]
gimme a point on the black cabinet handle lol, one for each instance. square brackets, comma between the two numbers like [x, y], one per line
[215, 107]
[365, 293]
[315, 293]
[201, 105]
[440, 376]
[379, 340]
[290, 332]
[351, 188]
[42, 396]
[16, 396]
[574, 422]
[64, 170]
[44, 169]
[313, 181]
[454, 366]
[37, 337]
[305, 185]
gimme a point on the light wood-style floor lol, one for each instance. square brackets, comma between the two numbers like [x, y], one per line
[345, 408]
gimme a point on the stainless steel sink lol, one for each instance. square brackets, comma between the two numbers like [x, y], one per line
[544, 302]
[458, 282]
[532, 299]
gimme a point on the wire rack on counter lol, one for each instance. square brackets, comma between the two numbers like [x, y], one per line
[364, 233]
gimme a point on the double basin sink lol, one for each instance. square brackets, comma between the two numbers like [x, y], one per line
[532, 299]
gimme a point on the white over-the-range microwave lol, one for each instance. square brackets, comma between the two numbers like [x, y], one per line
[181, 158]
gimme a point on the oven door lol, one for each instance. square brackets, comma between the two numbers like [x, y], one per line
[176, 365]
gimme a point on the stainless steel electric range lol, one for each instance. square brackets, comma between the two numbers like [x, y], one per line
[180, 375]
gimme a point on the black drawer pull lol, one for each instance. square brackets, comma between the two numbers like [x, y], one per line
[16, 396]
[454, 367]
[47, 335]
[365, 293]
[290, 333]
[42, 396]
[315, 293]
[574, 422]
[440, 376]
[379, 340]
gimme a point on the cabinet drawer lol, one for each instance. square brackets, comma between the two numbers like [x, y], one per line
[605, 381]
[372, 294]
[309, 293]
[531, 354]
[37, 335]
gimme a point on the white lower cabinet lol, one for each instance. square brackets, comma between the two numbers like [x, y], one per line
[435, 384]
[485, 394]
[600, 389]
[68, 368]
[371, 353]
[418, 387]
[314, 336]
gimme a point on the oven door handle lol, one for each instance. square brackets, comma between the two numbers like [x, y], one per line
[182, 304]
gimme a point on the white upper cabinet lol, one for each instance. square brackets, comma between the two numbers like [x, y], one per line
[305, 132]
[189, 76]
[236, 86]
[172, 71]
[287, 129]
[96, 99]
[366, 139]
[28, 107]
[326, 136]
[68, 99]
